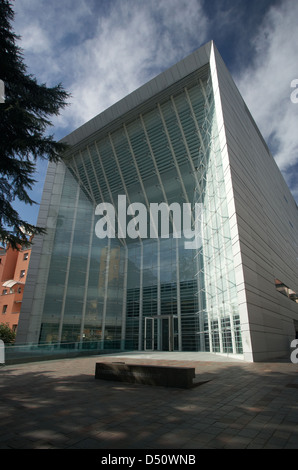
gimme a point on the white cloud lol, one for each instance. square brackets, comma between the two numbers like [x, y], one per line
[129, 47]
[266, 84]
[35, 39]
[102, 51]
[100, 55]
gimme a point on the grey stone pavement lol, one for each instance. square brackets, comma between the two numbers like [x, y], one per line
[58, 404]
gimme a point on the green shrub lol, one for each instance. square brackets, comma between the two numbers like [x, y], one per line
[6, 333]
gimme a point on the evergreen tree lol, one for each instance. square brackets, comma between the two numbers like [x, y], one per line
[24, 119]
[7, 335]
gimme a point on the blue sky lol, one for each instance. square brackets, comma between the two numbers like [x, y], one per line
[101, 50]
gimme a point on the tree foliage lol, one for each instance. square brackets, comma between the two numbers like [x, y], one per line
[24, 119]
[7, 335]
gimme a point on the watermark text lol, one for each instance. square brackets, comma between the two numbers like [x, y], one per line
[294, 94]
[2, 92]
[2, 352]
[161, 220]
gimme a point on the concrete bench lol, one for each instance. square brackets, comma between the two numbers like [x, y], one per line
[167, 376]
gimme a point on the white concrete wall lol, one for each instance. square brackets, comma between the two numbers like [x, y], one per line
[266, 232]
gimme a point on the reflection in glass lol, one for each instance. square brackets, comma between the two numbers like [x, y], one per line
[141, 293]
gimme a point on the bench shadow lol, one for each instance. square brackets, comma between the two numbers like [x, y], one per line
[228, 406]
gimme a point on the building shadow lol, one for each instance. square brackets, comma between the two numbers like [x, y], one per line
[236, 405]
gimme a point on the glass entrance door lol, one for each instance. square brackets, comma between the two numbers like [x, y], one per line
[149, 335]
[161, 333]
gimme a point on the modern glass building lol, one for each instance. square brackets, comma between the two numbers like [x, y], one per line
[186, 146]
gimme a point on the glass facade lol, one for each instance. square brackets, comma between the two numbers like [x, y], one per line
[145, 292]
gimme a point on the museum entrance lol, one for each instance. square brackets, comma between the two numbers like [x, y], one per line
[161, 333]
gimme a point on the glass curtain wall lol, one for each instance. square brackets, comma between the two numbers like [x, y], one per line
[217, 295]
[150, 292]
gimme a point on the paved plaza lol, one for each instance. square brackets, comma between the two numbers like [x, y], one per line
[58, 404]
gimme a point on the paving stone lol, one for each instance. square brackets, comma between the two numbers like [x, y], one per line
[58, 404]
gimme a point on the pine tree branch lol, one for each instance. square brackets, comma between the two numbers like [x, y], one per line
[24, 119]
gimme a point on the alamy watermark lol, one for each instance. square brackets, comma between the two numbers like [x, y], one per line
[294, 353]
[2, 92]
[136, 221]
[2, 352]
[294, 94]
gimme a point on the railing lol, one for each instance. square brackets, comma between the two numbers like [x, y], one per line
[19, 353]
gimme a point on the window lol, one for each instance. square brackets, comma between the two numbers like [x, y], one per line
[4, 309]
[26, 256]
[22, 274]
[19, 290]
[281, 287]
[285, 290]
[4, 291]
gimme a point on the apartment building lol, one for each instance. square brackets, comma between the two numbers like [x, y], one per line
[13, 273]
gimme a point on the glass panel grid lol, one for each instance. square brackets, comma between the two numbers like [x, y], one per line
[170, 153]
